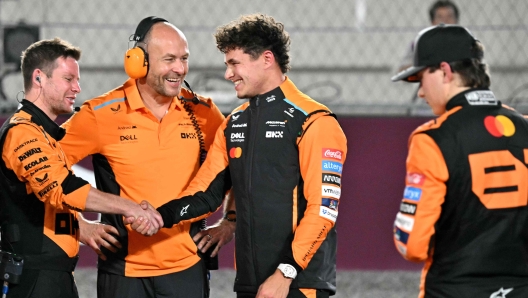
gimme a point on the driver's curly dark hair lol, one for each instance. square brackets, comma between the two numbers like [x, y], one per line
[254, 34]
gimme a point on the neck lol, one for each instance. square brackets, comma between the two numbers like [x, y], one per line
[455, 88]
[153, 101]
[274, 81]
[35, 97]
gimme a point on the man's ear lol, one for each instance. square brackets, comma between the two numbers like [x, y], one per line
[448, 73]
[269, 58]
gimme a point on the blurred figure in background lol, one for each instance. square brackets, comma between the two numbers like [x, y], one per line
[440, 12]
[465, 205]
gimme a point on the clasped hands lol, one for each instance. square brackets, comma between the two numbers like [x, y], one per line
[144, 219]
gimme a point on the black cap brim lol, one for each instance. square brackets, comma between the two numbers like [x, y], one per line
[409, 74]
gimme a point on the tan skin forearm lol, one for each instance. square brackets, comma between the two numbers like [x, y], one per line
[150, 219]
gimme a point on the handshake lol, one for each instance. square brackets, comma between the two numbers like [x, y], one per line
[144, 219]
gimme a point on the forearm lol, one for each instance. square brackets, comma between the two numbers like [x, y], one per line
[198, 204]
[229, 205]
[98, 201]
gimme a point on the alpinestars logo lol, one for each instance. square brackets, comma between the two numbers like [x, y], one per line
[184, 210]
[116, 110]
[289, 112]
[501, 293]
[234, 117]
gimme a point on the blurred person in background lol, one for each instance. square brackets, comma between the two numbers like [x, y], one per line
[40, 197]
[440, 12]
[285, 154]
[464, 209]
[147, 139]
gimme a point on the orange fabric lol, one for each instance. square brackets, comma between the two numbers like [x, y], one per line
[152, 160]
[38, 160]
[313, 228]
[309, 293]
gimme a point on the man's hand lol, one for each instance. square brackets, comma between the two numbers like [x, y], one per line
[219, 234]
[146, 221]
[275, 286]
[97, 235]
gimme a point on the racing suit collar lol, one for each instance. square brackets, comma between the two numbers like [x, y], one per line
[477, 97]
[40, 118]
[270, 97]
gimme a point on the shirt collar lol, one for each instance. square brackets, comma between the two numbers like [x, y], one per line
[481, 97]
[40, 118]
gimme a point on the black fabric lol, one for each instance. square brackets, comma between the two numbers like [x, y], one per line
[184, 284]
[478, 250]
[105, 181]
[21, 214]
[293, 293]
[198, 204]
[144, 26]
[71, 183]
[44, 283]
[40, 118]
[264, 178]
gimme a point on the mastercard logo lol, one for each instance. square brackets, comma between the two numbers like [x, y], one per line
[235, 152]
[499, 126]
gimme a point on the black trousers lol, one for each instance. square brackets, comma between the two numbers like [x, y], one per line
[190, 283]
[44, 283]
[294, 293]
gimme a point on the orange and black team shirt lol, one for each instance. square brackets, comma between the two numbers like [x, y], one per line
[464, 209]
[39, 194]
[140, 158]
[285, 154]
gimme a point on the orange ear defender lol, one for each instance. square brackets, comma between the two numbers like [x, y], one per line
[136, 58]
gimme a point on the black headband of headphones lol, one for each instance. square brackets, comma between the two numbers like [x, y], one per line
[144, 26]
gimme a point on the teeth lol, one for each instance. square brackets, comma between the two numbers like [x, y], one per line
[173, 80]
[237, 82]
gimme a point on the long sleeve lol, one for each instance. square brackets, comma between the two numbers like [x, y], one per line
[322, 153]
[423, 196]
[42, 166]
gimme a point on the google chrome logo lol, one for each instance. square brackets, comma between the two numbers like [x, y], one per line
[499, 126]
[235, 152]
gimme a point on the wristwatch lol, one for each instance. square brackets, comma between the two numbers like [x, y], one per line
[230, 215]
[288, 270]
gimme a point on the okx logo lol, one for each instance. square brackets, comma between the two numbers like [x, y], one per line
[499, 126]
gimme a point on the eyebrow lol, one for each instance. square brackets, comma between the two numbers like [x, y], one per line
[232, 60]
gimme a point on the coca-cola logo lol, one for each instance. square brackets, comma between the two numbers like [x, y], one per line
[333, 153]
[415, 178]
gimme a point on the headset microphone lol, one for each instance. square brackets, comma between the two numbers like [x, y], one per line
[76, 109]
[195, 99]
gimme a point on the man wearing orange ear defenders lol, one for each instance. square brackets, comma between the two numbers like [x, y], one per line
[147, 138]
